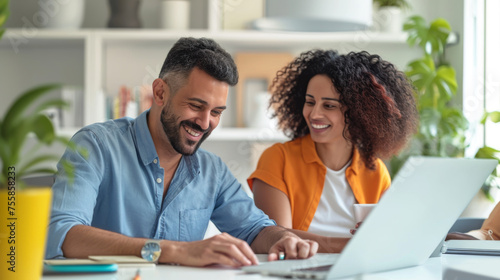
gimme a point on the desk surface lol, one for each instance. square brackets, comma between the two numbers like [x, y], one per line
[431, 270]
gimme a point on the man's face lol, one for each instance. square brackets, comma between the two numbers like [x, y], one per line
[191, 113]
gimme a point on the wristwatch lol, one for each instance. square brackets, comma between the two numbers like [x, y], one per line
[151, 251]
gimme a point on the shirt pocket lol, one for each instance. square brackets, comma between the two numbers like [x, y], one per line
[193, 224]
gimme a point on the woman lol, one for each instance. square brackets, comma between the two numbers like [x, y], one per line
[343, 113]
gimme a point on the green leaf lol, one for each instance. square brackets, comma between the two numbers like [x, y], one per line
[15, 114]
[44, 129]
[488, 153]
[53, 103]
[36, 171]
[432, 38]
[494, 116]
[38, 160]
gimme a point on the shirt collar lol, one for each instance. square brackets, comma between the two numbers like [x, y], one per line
[310, 155]
[145, 144]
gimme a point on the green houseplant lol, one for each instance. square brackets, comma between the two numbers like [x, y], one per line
[401, 4]
[442, 129]
[24, 211]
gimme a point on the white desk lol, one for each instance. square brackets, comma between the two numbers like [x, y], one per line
[431, 270]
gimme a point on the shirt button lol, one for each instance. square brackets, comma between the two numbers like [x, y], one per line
[158, 180]
[155, 161]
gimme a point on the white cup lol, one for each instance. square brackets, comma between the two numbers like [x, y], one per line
[175, 14]
[361, 211]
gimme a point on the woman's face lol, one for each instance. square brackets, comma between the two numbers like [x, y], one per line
[323, 112]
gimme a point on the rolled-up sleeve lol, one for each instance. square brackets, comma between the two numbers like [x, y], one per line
[73, 203]
[235, 212]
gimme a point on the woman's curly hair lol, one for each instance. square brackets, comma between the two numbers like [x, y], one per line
[379, 103]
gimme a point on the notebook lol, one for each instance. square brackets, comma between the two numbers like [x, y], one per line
[406, 226]
[472, 247]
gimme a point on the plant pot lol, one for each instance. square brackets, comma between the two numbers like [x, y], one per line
[388, 19]
[23, 232]
[124, 14]
[60, 14]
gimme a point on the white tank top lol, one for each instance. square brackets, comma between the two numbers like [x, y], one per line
[335, 213]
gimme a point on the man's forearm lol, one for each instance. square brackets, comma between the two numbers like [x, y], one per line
[83, 241]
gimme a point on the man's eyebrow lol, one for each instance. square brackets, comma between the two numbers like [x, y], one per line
[324, 98]
[206, 103]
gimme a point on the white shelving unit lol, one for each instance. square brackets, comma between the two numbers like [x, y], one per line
[100, 60]
[99, 45]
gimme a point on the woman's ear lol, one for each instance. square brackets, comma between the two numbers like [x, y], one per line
[160, 92]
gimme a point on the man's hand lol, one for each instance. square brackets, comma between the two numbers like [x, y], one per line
[293, 247]
[221, 249]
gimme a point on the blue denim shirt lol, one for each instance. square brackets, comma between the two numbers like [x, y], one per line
[119, 188]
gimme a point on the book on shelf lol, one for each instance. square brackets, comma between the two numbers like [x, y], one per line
[129, 102]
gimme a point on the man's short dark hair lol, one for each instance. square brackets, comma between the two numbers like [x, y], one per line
[206, 54]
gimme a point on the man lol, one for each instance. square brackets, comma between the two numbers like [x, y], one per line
[145, 178]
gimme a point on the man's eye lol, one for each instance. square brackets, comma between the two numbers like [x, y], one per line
[216, 113]
[194, 106]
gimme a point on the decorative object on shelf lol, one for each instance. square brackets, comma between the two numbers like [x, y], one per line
[175, 14]
[260, 114]
[74, 97]
[388, 15]
[315, 15]
[60, 14]
[124, 14]
[256, 66]
[238, 15]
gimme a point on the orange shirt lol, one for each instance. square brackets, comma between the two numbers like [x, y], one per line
[295, 169]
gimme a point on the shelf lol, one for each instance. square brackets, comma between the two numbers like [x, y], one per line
[234, 38]
[33, 37]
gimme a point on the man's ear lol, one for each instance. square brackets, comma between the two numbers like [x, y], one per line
[160, 92]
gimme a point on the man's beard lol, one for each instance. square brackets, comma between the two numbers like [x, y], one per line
[172, 130]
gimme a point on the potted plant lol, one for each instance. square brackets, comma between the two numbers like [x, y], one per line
[388, 14]
[24, 211]
[442, 127]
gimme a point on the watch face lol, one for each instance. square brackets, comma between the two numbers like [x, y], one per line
[151, 251]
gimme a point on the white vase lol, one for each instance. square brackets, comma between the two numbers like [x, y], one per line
[60, 14]
[388, 19]
[175, 14]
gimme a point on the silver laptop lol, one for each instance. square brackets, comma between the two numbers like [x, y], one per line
[406, 226]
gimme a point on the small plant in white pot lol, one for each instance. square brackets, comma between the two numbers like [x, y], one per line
[388, 15]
